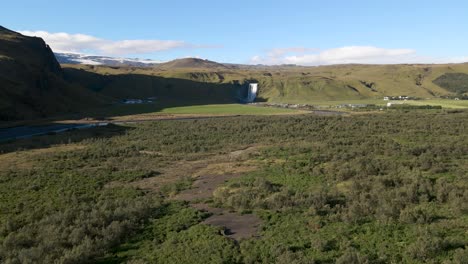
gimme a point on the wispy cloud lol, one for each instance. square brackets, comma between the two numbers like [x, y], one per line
[346, 55]
[81, 43]
[277, 52]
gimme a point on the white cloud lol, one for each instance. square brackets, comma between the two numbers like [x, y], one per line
[81, 43]
[277, 52]
[456, 60]
[346, 55]
[256, 60]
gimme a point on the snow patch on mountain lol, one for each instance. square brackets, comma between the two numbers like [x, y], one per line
[77, 58]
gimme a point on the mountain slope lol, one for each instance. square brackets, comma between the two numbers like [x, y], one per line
[280, 83]
[31, 83]
[191, 63]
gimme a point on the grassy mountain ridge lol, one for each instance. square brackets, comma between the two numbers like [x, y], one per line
[134, 84]
[190, 63]
[33, 84]
[31, 80]
[284, 83]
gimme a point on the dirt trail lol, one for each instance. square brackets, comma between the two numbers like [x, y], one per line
[203, 187]
[236, 226]
[209, 174]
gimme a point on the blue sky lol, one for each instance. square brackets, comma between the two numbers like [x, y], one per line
[270, 32]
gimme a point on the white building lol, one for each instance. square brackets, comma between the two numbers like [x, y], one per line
[132, 101]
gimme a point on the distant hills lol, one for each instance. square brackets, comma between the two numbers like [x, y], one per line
[82, 59]
[33, 84]
[285, 83]
[191, 63]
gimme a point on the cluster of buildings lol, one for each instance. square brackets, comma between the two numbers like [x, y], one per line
[285, 105]
[139, 101]
[352, 106]
[401, 97]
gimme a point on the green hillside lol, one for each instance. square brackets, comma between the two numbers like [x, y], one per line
[34, 85]
[131, 83]
[454, 82]
[278, 84]
[31, 83]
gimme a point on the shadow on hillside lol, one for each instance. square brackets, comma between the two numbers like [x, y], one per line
[164, 92]
[68, 137]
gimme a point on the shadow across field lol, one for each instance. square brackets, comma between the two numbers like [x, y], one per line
[163, 92]
[68, 137]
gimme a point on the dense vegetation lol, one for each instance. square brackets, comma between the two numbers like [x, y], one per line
[454, 82]
[382, 188]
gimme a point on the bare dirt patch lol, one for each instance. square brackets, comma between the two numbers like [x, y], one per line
[208, 173]
[236, 226]
[203, 187]
[210, 168]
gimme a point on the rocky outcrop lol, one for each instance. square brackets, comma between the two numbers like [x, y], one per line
[31, 80]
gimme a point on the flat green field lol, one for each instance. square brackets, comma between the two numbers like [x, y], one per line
[227, 109]
[445, 103]
[156, 109]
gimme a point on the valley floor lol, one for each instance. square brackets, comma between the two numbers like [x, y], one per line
[373, 188]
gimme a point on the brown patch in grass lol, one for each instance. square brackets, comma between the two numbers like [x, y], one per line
[345, 186]
[209, 173]
[23, 160]
[203, 187]
[208, 167]
[223, 168]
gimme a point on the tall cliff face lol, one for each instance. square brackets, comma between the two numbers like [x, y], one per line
[29, 51]
[31, 83]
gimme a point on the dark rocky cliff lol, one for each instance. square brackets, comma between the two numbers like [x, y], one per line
[31, 80]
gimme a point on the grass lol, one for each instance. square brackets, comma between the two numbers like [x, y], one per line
[228, 109]
[187, 80]
[160, 110]
[386, 188]
[277, 84]
[121, 112]
[325, 103]
[445, 103]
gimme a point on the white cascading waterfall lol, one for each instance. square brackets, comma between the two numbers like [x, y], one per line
[252, 92]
